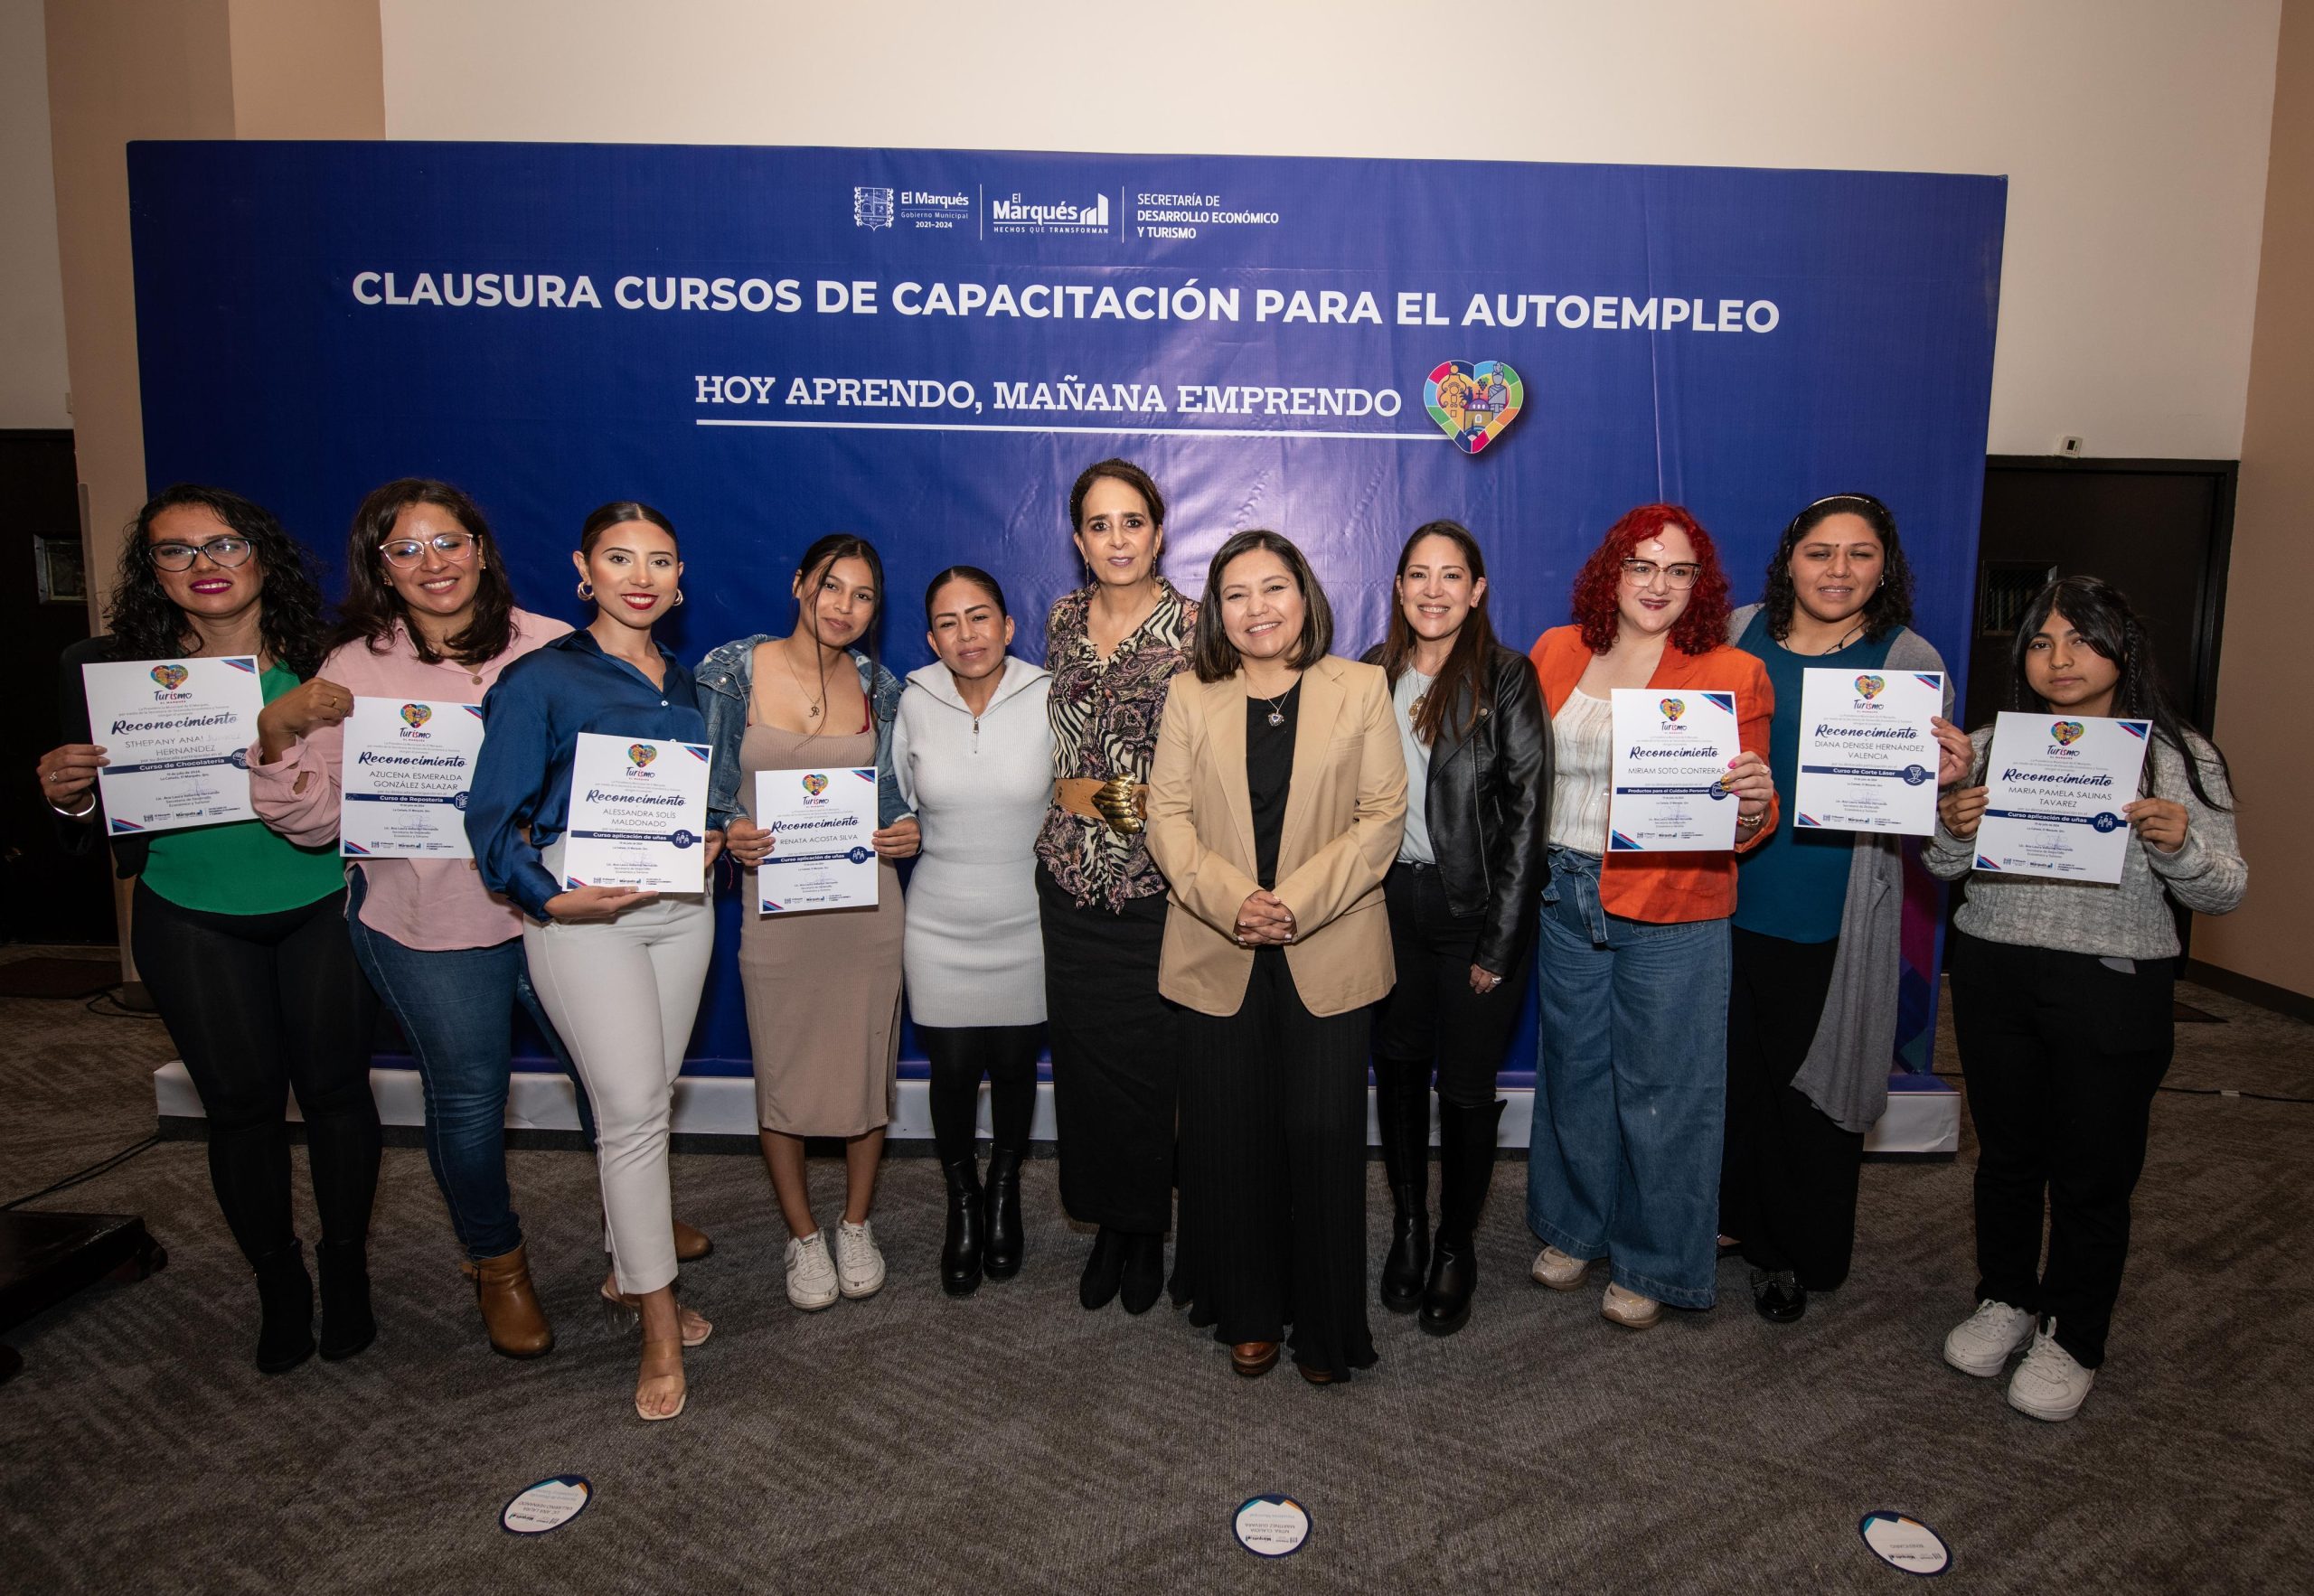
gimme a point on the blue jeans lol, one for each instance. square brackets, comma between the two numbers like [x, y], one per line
[1631, 1089]
[456, 1012]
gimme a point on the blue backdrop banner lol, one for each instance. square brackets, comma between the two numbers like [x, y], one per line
[925, 346]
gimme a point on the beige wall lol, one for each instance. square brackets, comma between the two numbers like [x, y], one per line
[2271, 937]
[2133, 131]
[33, 379]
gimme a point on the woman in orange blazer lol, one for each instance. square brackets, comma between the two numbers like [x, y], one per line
[1275, 800]
[1630, 1087]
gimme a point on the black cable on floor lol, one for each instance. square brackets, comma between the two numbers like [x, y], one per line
[118, 1011]
[104, 1165]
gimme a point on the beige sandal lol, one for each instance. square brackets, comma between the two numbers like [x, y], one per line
[663, 1359]
[695, 1329]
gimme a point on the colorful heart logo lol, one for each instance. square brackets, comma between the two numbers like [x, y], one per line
[2068, 732]
[1473, 401]
[642, 753]
[1871, 687]
[417, 714]
[170, 677]
[1673, 708]
[815, 783]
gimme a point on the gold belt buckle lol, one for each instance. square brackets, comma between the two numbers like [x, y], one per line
[1115, 801]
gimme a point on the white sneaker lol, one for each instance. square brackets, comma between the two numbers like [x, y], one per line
[1981, 1344]
[1629, 1309]
[811, 1274]
[1561, 1272]
[2049, 1385]
[859, 1265]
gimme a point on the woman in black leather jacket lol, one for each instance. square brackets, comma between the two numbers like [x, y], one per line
[1462, 899]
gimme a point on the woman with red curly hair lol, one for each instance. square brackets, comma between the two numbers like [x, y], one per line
[1631, 1087]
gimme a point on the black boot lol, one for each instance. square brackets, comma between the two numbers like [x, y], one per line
[1143, 1279]
[1402, 1108]
[960, 1252]
[1466, 1170]
[347, 1324]
[1001, 1215]
[1103, 1269]
[284, 1297]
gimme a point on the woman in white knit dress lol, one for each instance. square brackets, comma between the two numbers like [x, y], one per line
[973, 750]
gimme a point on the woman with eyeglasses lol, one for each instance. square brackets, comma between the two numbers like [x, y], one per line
[1632, 1083]
[238, 931]
[429, 615]
[1818, 931]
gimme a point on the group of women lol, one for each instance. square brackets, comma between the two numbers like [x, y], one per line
[1219, 870]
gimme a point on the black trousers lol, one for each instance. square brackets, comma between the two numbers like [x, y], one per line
[2061, 1056]
[1115, 1063]
[1273, 1173]
[1788, 1174]
[1432, 1014]
[260, 1006]
[959, 1056]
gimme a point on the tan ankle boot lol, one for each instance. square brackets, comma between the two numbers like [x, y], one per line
[510, 1305]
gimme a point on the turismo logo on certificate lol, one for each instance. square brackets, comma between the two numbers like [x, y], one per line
[409, 765]
[1868, 754]
[177, 734]
[822, 824]
[638, 815]
[1672, 751]
[2056, 784]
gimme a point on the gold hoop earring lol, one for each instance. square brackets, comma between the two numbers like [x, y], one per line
[679, 600]
[586, 588]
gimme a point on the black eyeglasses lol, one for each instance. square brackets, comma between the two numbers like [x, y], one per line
[220, 551]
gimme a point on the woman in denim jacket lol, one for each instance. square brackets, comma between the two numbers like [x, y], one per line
[823, 990]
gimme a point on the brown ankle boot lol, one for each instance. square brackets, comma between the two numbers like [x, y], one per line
[510, 1305]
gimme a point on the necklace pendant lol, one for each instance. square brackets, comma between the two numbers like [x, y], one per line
[812, 712]
[1413, 710]
[1277, 718]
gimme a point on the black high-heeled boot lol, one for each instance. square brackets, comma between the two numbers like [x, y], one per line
[960, 1251]
[347, 1324]
[1144, 1272]
[1465, 1170]
[1001, 1238]
[285, 1299]
[1104, 1269]
[1402, 1109]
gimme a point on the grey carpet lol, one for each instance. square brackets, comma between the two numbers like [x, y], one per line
[1010, 1442]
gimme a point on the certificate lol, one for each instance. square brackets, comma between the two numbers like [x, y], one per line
[2056, 786]
[177, 734]
[409, 765]
[1868, 754]
[821, 822]
[1673, 751]
[638, 815]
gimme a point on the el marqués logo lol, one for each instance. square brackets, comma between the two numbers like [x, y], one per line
[1673, 708]
[1871, 687]
[815, 783]
[170, 677]
[2068, 732]
[417, 714]
[1473, 401]
[641, 753]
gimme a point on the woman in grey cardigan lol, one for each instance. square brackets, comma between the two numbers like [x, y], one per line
[973, 752]
[1811, 1021]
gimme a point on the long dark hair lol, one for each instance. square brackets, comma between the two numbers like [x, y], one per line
[1461, 679]
[1210, 650]
[147, 624]
[372, 605]
[812, 570]
[1891, 604]
[2100, 613]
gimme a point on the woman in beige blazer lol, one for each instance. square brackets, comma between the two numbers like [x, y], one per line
[1276, 802]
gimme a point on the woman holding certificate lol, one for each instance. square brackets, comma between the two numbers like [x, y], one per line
[2060, 993]
[798, 715]
[239, 933]
[973, 751]
[429, 622]
[618, 968]
[1114, 646]
[1623, 1158]
[1812, 1018]
[1462, 896]
[1276, 804]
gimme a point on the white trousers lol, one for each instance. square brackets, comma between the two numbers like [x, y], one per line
[623, 994]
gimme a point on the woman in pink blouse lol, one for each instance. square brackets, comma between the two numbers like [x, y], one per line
[429, 616]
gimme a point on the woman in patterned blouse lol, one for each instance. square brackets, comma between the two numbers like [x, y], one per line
[1113, 647]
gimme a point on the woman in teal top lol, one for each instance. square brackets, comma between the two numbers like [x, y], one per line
[239, 934]
[1811, 1007]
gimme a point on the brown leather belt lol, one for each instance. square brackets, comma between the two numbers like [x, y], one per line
[1081, 797]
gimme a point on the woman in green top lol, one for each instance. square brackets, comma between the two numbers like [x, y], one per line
[239, 934]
